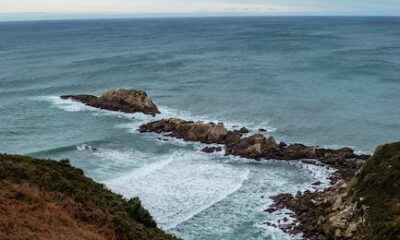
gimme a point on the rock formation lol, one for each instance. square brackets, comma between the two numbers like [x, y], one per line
[363, 202]
[363, 207]
[255, 146]
[123, 100]
[188, 130]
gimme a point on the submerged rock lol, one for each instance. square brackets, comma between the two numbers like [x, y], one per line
[123, 100]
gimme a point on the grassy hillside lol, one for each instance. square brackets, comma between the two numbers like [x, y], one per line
[378, 186]
[44, 199]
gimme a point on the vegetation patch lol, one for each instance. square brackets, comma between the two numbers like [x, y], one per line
[85, 200]
[378, 188]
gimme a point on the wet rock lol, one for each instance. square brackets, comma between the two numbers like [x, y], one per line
[317, 183]
[211, 149]
[310, 161]
[257, 146]
[188, 130]
[320, 215]
[244, 130]
[123, 100]
[254, 147]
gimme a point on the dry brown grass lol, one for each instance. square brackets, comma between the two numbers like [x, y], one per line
[45, 199]
[26, 212]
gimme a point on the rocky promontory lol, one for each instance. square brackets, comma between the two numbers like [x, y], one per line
[254, 146]
[363, 207]
[122, 100]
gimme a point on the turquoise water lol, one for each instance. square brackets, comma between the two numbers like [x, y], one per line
[324, 81]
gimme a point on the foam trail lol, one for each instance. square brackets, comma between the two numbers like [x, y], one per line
[70, 105]
[64, 104]
[180, 186]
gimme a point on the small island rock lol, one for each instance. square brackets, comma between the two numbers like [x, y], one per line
[123, 100]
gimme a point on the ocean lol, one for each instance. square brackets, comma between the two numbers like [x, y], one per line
[326, 81]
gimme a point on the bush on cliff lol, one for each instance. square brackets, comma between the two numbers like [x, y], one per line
[378, 186]
[128, 218]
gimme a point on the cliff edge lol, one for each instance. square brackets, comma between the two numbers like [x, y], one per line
[366, 206]
[44, 199]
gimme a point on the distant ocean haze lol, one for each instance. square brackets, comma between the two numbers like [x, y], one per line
[323, 81]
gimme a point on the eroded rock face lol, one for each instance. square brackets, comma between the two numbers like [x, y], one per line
[327, 215]
[365, 206]
[123, 100]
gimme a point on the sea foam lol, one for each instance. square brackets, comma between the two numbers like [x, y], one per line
[179, 186]
[140, 118]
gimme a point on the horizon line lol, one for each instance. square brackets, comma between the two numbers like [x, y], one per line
[65, 16]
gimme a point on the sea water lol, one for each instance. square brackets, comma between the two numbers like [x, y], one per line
[330, 82]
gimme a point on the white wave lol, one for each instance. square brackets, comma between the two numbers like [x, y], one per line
[180, 186]
[140, 118]
[75, 106]
[167, 112]
[85, 147]
[282, 216]
[64, 104]
[317, 174]
[113, 156]
[246, 206]
[105, 163]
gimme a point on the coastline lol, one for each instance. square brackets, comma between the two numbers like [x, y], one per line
[341, 218]
[339, 208]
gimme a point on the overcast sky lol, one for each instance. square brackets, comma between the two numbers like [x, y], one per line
[35, 8]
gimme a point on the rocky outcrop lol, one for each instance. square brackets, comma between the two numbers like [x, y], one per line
[211, 149]
[188, 130]
[123, 100]
[255, 146]
[363, 207]
[327, 215]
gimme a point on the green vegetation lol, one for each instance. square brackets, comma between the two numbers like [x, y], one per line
[379, 186]
[130, 219]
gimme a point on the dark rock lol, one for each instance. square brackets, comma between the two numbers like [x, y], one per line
[309, 161]
[270, 210]
[188, 130]
[317, 183]
[256, 146]
[211, 149]
[244, 130]
[282, 144]
[123, 100]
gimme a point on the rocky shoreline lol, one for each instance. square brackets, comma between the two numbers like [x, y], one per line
[363, 207]
[326, 215]
[255, 146]
[338, 212]
[321, 215]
